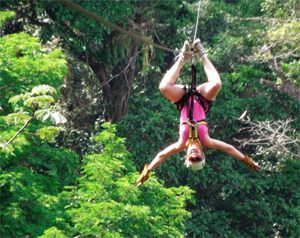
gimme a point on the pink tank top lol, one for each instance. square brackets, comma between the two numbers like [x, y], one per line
[198, 115]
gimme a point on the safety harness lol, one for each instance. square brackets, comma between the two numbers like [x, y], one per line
[193, 124]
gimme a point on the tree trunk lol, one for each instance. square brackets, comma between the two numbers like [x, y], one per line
[116, 89]
[288, 86]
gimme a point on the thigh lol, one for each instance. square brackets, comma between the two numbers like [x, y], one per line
[174, 92]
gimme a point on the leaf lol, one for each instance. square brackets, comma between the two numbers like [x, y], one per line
[14, 118]
[7, 149]
[43, 114]
[16, 98]
[19, 97]
[44, 89]
[43, 100]
[50, 137]
[57, 118]
[49, 132]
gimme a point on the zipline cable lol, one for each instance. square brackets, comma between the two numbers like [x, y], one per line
[98, 19]
[193, 66]
[197, 20]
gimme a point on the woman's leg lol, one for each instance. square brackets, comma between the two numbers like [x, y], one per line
[210, 89]
[167, 86]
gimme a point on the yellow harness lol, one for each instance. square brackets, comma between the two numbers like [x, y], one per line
[193, 127]
[193, 124]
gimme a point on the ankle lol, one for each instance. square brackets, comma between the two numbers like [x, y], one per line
[181, 57]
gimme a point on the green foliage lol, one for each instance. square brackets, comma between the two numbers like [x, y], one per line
[53, 232]
[86, 35]
[108, 203]
[105, 51]
[43, 101]
[222, 181]
[32, 173]
[24, 62]
[31, 179]
[292, 70]
[4, 16]
[39, 193]
[29, 195]
[154, 121]
[263, 204]
[49, 133]
[29, 98]
[283, 38]
[261, 101]
[14, 118]
[278, 9]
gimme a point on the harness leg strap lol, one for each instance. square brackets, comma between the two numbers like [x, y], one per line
[195, 128]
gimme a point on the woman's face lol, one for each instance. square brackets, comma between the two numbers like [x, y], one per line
[194, 152]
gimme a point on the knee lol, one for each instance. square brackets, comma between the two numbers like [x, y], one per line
[218, 85]
[162, 87]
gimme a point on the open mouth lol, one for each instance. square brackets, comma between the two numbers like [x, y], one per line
[195, 160]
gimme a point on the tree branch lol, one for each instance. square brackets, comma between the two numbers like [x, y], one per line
[288, 87]
[265, 19]
[30, 18]
[32, 115]
[275, 137]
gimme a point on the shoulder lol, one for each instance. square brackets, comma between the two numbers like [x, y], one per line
[180, 144]
[209, 142]
[216, 144]
[171, 149]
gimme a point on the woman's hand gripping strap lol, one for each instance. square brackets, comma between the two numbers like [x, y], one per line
[144, 176]
[252, 165]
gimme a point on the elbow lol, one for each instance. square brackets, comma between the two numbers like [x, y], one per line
[161, 157]
[230, 149]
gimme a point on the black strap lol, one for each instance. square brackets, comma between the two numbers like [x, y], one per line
[193, 92]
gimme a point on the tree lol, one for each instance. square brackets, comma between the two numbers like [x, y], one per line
[111, 56]
[276, 137]
[24, 62]
[107, 202]
[278, 45]
[32, 172]
[229, 200]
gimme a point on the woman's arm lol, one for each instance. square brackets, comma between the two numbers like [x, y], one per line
[161, 156]
[227, 148]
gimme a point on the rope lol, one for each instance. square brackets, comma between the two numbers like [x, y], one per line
[197, 20]
[98, 19]
[193, 65]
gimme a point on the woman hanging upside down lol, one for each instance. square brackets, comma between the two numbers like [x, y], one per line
[193, 129]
